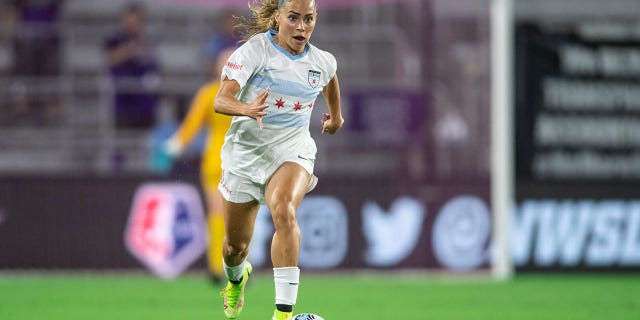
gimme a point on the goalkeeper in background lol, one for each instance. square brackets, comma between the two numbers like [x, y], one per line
[201, 114]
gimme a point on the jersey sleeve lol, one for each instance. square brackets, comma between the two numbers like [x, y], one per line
[332, 66]
[244, 62]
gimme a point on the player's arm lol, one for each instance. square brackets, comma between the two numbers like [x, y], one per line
[192, 123]
[119, 51]
[333, 121]
[227, 103]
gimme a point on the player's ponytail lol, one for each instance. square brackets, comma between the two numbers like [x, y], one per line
[262, 19]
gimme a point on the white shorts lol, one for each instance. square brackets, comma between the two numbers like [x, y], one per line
[238, 189]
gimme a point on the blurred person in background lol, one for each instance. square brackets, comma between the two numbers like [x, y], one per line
[34, 29]
[224, 36]
[134, 71]
[201, 114]
[35, 32]
[270, 85]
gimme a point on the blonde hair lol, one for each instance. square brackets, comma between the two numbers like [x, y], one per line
[262, 19]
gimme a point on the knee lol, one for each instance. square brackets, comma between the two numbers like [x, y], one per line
[237, 249]
[284, 216]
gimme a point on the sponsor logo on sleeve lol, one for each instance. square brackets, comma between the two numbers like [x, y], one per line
[234, 66]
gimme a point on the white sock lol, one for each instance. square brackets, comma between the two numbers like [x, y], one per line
[234, 273]
[287, 281]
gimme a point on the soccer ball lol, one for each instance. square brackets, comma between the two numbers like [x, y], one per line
[307, 316]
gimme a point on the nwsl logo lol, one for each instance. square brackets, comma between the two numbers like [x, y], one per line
[166, 229]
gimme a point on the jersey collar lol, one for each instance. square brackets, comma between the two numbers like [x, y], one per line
[270, 35]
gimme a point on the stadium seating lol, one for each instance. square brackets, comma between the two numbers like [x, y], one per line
[85, 139]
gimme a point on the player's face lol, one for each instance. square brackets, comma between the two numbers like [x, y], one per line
[296, 20]
[132, 21]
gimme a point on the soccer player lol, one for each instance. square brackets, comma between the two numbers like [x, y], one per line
[201, 114]
[270, 85]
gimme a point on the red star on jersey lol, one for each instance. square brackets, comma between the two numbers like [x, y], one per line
[310, 106]
[297, 106]
[280, 103]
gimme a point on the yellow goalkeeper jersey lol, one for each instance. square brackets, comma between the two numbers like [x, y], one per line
[201, 113]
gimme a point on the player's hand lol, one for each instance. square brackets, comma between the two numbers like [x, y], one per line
[330, 124]
[256, 107]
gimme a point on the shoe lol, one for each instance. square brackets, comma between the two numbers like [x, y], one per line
[279, 315]
[233, 294]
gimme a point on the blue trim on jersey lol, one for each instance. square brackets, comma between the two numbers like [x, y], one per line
[290, 120]
[285, 87]
[270, 35]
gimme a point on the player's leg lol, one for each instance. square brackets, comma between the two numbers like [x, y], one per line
[283, 195]
[239, 222]
[215, 222]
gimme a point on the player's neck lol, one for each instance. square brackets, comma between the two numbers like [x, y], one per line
[284, 46]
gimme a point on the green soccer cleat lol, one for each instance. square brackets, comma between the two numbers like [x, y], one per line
[279, 315]
[233, 294]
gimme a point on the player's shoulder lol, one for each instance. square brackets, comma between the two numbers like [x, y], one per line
[324, 57]
[210, 87]
[322, 53]
[257, 42]
[207, 92]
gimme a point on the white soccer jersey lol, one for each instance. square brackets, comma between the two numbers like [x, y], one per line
[295, 82]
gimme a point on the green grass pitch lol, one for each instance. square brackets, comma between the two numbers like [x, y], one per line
[334, 297]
